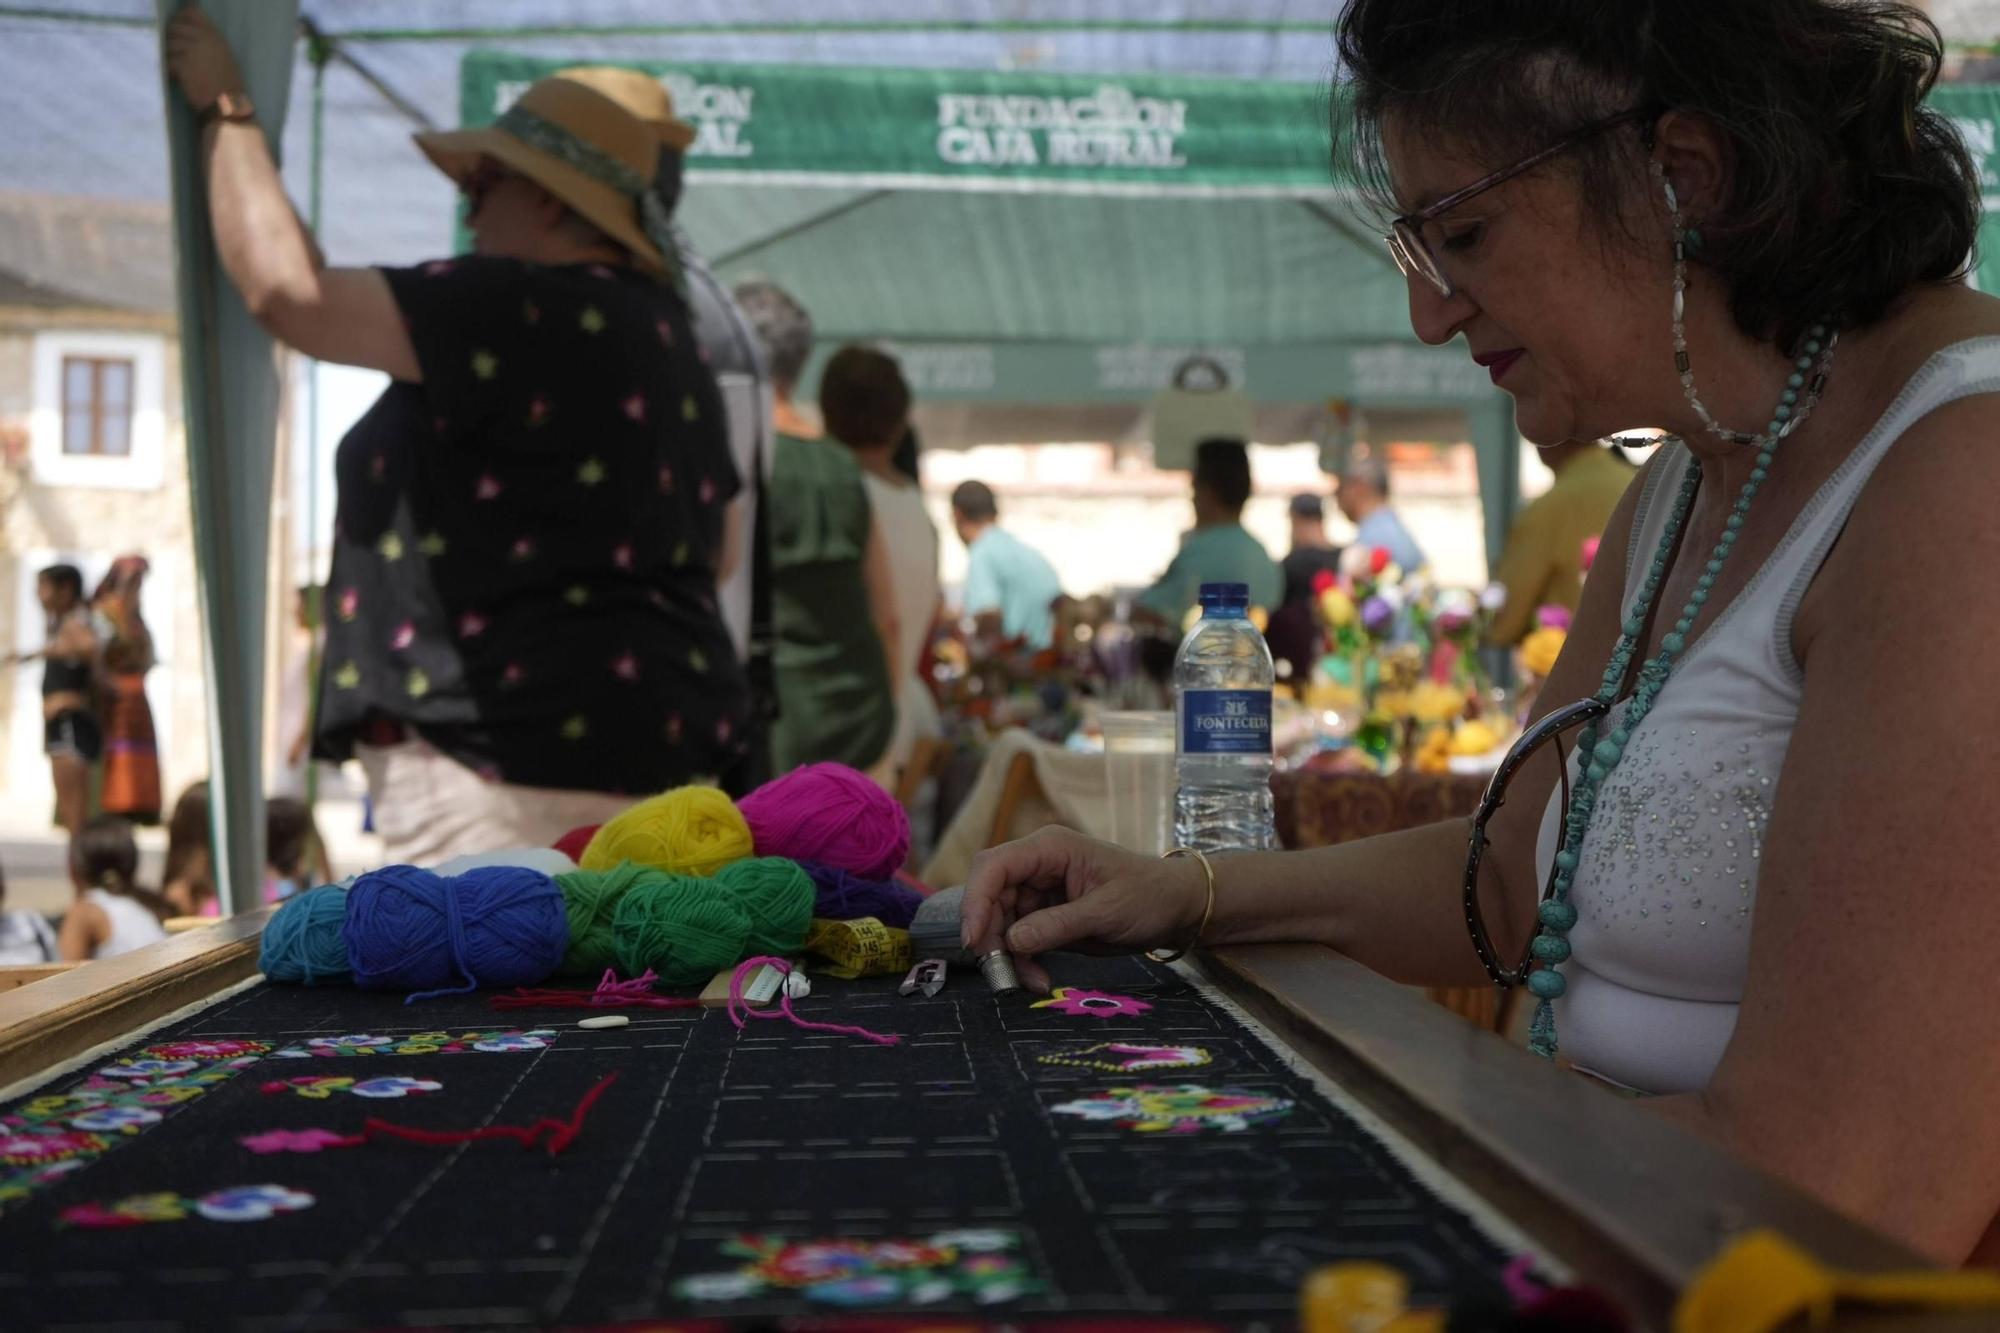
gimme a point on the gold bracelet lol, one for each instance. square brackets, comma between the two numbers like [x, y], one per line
[1206, 912]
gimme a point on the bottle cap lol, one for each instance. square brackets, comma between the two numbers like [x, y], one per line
[1225, 595]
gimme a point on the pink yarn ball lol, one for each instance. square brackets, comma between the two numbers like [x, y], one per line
[831, 814]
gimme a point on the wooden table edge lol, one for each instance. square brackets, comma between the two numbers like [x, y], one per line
[60, 1017]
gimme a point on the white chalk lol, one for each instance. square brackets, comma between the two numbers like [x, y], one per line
[604, 1021]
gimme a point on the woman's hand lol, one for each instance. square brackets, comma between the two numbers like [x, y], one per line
[1061, 890]
[199, 59]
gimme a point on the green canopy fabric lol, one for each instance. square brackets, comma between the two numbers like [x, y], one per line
[229, 383]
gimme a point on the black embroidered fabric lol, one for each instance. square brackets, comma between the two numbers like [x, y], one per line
[963, 1135]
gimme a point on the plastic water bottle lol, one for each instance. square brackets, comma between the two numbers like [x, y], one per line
[1222, 710]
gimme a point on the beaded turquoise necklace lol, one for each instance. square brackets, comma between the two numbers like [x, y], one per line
[1602, 752]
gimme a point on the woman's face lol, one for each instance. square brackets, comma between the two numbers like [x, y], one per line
[1570, 318]
[505, 212]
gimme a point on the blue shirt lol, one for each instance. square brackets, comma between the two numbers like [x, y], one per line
[1382, 528]
[1226, 553]
[1005, 574]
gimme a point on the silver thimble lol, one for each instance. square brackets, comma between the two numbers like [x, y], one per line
[998, 969]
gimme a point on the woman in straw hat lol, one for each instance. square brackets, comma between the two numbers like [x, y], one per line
[523, 630]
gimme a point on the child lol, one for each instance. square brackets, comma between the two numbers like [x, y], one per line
[288, 845]
[188, 881]
[24, 936]
[112, 914]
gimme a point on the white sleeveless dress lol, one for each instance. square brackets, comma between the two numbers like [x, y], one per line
[1666, 880]
[132, 925]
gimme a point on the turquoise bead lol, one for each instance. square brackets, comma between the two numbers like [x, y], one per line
[1598, 772]
[1812, 347]
[1621, 735]
[1804, 363]
[1550, 949]
[1783, 410]
[1634, 627]
[1699, 597]
[1728, 540]
[1673, 643]
[1547, 985]
[1789, 396]
[1715, 566]
[1608, 752]
[1565, 860]
[1734, 522]
[1557, 915]
[1758, 474]
[1683, 625]
[1795, 381]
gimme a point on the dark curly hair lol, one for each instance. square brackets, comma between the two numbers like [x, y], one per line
[863, 397]
[1845, 189]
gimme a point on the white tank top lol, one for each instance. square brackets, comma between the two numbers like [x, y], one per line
[1666, 879]
[132, 925]
[912, 540]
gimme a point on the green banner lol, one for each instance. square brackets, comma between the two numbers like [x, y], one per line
[1975, 109]
[960, 128]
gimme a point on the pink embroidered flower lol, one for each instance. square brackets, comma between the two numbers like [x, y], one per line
[206, 1050]
[635, 407]
[666, 332]
[621, 555]
[723, 730]
[487, 487]
[349, 603]
[707, 491]
[294, 1140]
[1091, 1003]
[666, 480]
[513, 675]
[30, 1149]
[625, 666]
[437, 268]
[405, 635]
[471, 625]
[539, 409]
[97, 1215]
[523, 549]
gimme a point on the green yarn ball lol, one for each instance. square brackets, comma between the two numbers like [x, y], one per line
[590, 900]
[777, 896]
[685, 929]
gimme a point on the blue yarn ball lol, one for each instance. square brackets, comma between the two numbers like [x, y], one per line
[302, 940]
[409, 929]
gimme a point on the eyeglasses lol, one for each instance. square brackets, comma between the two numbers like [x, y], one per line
[480, 182]
[1413, 254]
[1548, 730]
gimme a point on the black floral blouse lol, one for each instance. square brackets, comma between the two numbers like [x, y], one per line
[524, 554]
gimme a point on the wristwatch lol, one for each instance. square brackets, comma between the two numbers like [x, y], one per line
[227, 106]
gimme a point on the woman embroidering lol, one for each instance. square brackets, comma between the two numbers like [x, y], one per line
[1761, 888]
[522, 628]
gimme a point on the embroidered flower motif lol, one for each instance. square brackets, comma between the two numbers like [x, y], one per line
[148, 1070]
[1186, 1108]
[135, 1211]
[591, 473]
[348, 677]
[355, 1040]
[722, 731]
[292, 1140]
[720, 1286]
[206, 1050]
[39, 1149]
[513, 675]
[666, 480]
[634, 407]
[539, 409]
[487, 487]
[437, 268]
[591, 320]
[1093, 1003]
[625, 666]
[975, 1239]
[523, 549]
[690, 411]
[576, 594]
[471, 625]
[707, 490]
[251, 1203]
[1129, 1057]
[348, 603]
[698, 660]
[405, 635]
[432, 546]
[621, 555]
[484, 364]
[680, 556]
[393, 1087]
[417, 683]
[391, 547]
[117, 1119]
[575, 727]
[501, 1042]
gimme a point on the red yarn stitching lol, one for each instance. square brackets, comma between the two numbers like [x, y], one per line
[784, 1010]
[559, 1133]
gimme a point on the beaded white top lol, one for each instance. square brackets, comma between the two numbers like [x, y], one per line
[1666, 880]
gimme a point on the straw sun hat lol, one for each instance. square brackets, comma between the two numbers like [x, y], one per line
[583, 147]
[639, 93]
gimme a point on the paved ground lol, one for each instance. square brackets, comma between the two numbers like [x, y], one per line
[34, 857]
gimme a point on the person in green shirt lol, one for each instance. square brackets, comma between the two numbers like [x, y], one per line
[1219, 549]
[1010, 589]
[832, 606]
[1543, 562]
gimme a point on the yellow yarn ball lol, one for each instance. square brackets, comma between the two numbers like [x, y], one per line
[687, 831]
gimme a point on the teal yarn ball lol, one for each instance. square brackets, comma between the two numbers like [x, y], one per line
[590, 901]
[777, 895]
[302, 942]
[684, 929]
